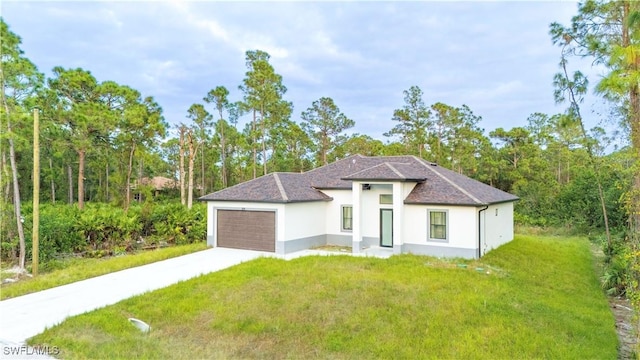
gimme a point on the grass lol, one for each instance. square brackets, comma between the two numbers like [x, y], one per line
[533, 298]
[81, 268]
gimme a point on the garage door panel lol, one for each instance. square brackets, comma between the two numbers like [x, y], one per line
[252, 230]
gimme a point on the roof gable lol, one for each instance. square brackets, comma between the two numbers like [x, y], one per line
[388, 171]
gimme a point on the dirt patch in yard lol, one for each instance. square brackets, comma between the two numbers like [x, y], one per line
[626, 327]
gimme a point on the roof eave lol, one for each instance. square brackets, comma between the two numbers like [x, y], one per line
[388, 180]
[460, 204]
[266, 201]
[332, 188]
[504, 201]
[443, 204]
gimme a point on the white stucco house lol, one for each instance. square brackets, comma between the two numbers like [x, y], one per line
[399, 202]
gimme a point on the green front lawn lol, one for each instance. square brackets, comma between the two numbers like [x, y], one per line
[80, 269]
[532, 298]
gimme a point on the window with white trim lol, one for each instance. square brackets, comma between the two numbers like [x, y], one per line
[346, 223]
[437, 225]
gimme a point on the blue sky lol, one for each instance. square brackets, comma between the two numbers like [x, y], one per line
[495, 57]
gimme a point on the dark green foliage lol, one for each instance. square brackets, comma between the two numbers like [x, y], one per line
[173, 223]
[101, 229]
[617, 275]
[59, 234]
[58, 230]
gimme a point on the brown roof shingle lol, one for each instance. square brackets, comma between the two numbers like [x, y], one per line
[389, 171]
[271, 188]
[435, 184]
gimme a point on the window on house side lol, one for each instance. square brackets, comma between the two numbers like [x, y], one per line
[386, 199]
[347, 218]
[496, 212]
[437, 225]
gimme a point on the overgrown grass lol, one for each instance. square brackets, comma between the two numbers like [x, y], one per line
[532, 298]
[76, 269]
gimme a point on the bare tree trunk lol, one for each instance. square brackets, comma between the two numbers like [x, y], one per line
[81, 159]
[70, 178]
[16, 198]
[5, 172]
[16, 186]
[127, 200]
[223, 152]
[253, 145]
[53, 183]
[183, 198]
[106, 180]
[264, 143]
[202, 172]
[190, 190]
[193, 149]
[202, 182]
[325, 147]
[140, 174]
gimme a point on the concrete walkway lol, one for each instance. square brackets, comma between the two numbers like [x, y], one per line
[26, 316]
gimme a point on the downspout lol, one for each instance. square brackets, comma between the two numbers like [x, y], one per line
[480, 231]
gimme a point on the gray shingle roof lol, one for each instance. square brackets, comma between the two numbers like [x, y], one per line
[435, 184]
[271, 188]
[389, 171]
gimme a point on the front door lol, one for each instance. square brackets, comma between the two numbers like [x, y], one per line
[386, 227]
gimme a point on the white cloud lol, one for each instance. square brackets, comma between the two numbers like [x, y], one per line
[495, 57]
[112, 17]
[498, 91]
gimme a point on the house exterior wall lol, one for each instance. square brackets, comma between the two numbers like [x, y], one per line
[333, 217]
[304, 226]
[498, 226]
[462, 227]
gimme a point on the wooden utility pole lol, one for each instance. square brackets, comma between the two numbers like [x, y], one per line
[36, 192]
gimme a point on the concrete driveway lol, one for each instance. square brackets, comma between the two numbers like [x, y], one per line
[25, 316]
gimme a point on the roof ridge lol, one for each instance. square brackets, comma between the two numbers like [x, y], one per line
[366, 169]
[394, 170]
[385, 156]
[329, 164]
[280, 187]
[449, 181]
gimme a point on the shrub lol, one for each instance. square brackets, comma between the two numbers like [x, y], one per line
[102, 229]
[617, 276]
[614, 279]
[178, 225]
[59, 233]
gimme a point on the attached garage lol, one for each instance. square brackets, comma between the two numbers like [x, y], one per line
[243, 229]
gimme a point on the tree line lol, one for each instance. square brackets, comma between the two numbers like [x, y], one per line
[99, 137]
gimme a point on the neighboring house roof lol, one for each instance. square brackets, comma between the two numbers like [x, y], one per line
[157, 182]
[435, 184]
